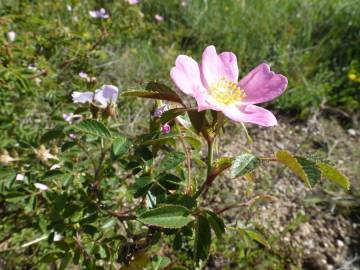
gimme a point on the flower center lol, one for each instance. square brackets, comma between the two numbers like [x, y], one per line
[226, 92]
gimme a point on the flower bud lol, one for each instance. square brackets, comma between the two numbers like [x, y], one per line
[166, 128]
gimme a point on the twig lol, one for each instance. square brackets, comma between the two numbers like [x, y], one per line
[250, 202]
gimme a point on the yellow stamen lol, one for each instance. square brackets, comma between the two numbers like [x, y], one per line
[226, 92]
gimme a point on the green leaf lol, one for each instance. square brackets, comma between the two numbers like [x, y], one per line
[181, 199]
[162, 140]
[169, 115]
[202, 240]
[169, 181]
[195, 142]
[311, 170]
[120, 146]
[52, 134]
[93, 127]
[166, 216]
[305, 169]
[160, 262]
[257, 237]
[162, 88]
[141, 186]
[197, 120]
[177, 243]
[221, 164]
[170, 96]
[243, 164]
[171, 160]
[52, 256]
[216, 224]
[65, 261]
[334, 175]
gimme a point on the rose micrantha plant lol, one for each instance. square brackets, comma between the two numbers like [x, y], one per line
[110, 198]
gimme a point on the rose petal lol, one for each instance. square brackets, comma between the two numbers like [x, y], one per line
[186, 75]
[230, 66]
[262, 85]
[82, 97]
[214, 66]
[250, 114]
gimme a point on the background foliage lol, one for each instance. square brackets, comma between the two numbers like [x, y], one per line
[313, 42]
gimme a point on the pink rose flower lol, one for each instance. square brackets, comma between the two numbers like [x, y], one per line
[214, 85]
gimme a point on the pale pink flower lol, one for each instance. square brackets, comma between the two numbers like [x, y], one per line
[99, 14]
[214, 84]
[102, 97]
[165, 128]
[84, 75]
[133, 2]
[159, 18]
[159, 111]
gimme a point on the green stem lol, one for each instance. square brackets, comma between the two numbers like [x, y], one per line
[210, 157]
[209, 179]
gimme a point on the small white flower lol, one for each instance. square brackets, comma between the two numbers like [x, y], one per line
[159, 18]
[84, 75]
[37, 81]
[69, 8]
[20, 177]
[72, 136]
[58, 237]
[55, 167]
[40, 186]
[32, 67]
[70, 117]
[133, 2]
[44, 154]
[5, 158]
[11, 36]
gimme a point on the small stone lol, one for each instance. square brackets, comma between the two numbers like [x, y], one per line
[340, 243]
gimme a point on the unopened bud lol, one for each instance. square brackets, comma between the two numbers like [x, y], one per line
[166, 128]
